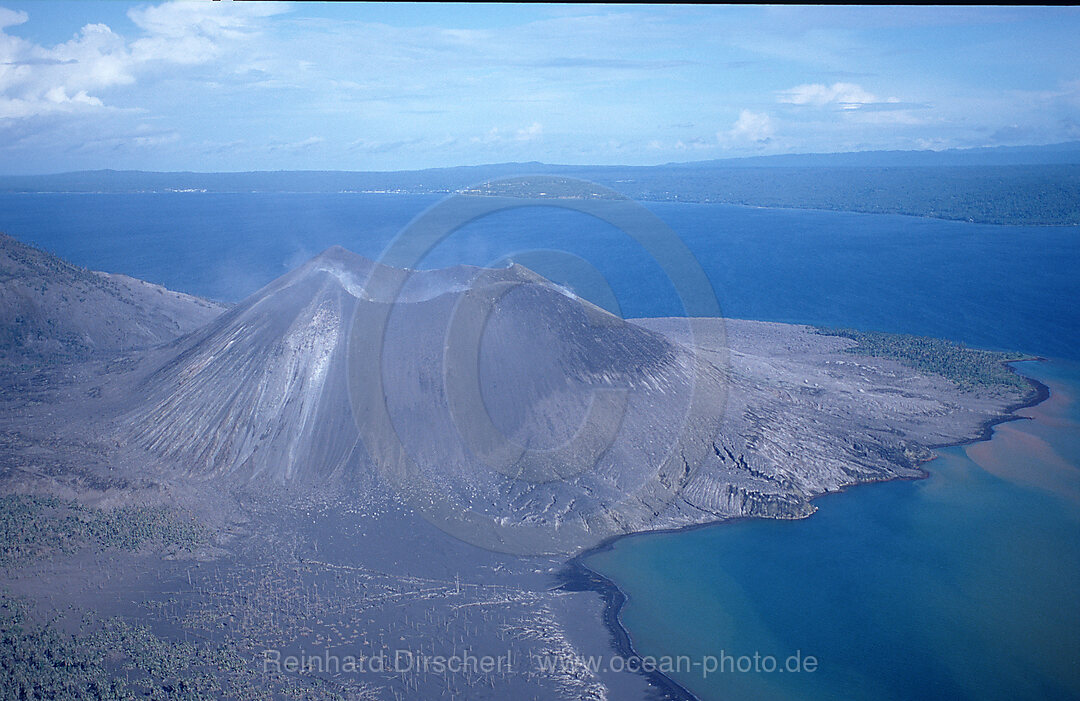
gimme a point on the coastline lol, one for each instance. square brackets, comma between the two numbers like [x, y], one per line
[866, 212]
[452, 192]
[577, 576]
[1040, 394]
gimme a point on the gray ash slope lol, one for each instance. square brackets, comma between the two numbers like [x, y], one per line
[624, 426]
[264, 392]
[255, 390]
[264, 389]
[52, 310]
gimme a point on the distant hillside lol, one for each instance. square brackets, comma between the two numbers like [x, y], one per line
[53, 310]
[1033, 185]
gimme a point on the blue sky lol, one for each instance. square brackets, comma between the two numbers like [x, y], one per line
[224, 87]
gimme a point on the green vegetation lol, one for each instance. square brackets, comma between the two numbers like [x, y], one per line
[31, 526]
[38, 662]
[113, 659]
[968, 368]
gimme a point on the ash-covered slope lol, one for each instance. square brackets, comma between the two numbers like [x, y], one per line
[485, 392]
[53, 310]
[261, 389]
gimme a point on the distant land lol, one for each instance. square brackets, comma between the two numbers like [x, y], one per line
[1025, 185]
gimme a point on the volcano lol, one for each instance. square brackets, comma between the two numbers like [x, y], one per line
[487, 392]
[518, 417]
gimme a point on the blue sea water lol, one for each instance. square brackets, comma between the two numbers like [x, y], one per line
[963, 585]
[990, 286]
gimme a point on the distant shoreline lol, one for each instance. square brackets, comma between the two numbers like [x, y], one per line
[448, 193]
[1033, 188]
[577, 576]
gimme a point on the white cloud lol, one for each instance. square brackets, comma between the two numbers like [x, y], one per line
[530, 133]
[95, 58]
[495, 135]
[147, 135]
[11, 18]
[694, 144]
[191, 33]
[848, 96]
[301, 145]
[753, 127]
[36, 80]
[59, 96]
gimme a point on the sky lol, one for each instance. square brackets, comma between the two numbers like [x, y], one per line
[222, 86]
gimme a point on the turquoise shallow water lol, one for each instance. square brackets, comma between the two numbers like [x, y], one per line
[962, 585]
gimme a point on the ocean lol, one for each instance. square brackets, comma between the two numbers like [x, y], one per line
[1009, 287]
[962, 585]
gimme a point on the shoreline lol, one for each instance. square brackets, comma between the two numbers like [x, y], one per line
[1040, 394]
[864, 212]
[575, 575]
[451, 193]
